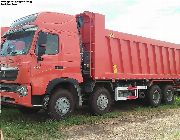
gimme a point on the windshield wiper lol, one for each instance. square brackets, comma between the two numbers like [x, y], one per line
[13, 53]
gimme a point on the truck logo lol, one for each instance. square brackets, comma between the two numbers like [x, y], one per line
[4, 74]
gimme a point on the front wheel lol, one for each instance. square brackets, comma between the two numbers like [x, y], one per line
[61, 104]
[100, 101]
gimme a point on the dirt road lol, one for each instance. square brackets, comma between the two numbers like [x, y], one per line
[136, 125]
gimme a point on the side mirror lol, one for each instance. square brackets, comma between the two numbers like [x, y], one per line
[41, 51]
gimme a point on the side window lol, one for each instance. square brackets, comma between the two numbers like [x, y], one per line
[50, 41]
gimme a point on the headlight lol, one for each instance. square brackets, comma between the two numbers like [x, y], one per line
[22, 90]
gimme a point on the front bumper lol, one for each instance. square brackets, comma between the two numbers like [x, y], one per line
[12, 97]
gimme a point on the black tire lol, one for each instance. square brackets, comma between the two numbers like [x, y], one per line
[55, 108]
[27, 110]
[96, 98]
[154, 96]
[168, 94]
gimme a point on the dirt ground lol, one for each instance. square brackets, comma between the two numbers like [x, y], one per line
[159, 125]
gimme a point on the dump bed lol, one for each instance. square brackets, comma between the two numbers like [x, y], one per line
[129, 56]
[115, 55]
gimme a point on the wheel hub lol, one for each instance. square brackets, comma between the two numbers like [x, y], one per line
[62, 106]
[156, 96]
[169, 95]
[102, 102]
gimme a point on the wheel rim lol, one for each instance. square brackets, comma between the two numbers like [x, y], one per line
[156, 96]
[169, 95]
[62, 106]
[102, 102]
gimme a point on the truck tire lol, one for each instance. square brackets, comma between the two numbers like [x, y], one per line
[168, 94]
[100, 101]
[61, 104]
[154, 96]
[27, 110]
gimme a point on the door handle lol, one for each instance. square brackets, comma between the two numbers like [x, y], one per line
[58, 67]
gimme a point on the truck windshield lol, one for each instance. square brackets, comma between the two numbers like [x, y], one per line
[17, 43]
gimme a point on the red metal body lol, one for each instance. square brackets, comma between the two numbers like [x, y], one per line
[113, 55]
[116, 55]
[4, 29]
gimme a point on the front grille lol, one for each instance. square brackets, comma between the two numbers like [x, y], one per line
[8, 87]
[9, 75]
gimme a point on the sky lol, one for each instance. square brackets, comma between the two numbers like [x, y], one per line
[158, 19]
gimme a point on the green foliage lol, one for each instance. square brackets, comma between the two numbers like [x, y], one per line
[16, 126]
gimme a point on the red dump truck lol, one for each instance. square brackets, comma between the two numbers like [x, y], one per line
[58, 62]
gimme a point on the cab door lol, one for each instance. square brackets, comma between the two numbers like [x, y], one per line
[48, 65]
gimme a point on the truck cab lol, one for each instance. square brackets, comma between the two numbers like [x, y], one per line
[40, 51]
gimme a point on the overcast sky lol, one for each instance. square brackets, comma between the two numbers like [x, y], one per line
[159, 19]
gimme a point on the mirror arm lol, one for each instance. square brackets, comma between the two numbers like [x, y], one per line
[39, 58]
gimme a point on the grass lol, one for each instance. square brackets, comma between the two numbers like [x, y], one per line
[16, 126]
[174, 136]
[162, 107]
[38, 126]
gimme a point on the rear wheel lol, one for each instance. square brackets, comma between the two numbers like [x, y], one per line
[100, 101]
[154, 96]
[168, 94]
[61, 104]
[27, 110]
